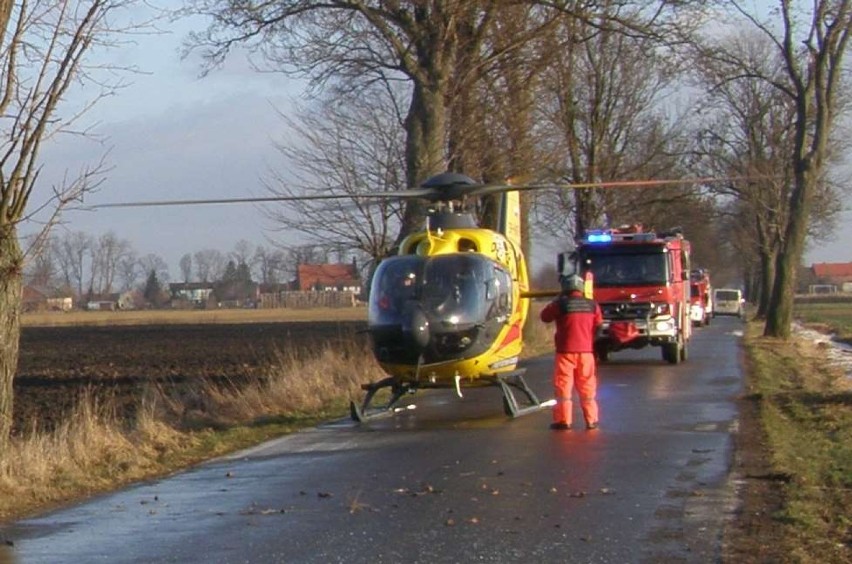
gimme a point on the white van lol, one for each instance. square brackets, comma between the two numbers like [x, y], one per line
[728, 301]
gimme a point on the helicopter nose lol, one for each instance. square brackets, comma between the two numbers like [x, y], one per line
[415, 326]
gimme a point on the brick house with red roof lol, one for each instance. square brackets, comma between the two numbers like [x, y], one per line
[328, 278]
[33, 299]
[833, 273]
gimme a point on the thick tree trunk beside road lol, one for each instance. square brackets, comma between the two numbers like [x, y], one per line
[11, 265]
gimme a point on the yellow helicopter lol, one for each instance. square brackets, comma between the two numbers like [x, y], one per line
[448, 310]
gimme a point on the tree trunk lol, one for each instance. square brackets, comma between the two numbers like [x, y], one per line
[780, 315]
[11, 262]
[424, 149]
[768, 259]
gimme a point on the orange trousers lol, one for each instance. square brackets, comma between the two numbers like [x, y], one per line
[570, 370]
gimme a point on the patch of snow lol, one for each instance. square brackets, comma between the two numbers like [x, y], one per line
[837, 353]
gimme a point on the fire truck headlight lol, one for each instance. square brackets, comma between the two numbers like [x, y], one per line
[664, 325]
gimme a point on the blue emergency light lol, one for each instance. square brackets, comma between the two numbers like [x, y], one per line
[599, 238]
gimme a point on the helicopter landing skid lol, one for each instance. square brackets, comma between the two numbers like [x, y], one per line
[366, 412]
[515, 380]
[508, 382]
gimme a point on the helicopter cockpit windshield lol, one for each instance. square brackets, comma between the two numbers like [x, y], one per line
[454, 289]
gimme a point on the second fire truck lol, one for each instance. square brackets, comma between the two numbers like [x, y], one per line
[641, 280]
[701, 300]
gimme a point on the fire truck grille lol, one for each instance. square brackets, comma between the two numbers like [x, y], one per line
[626, 310]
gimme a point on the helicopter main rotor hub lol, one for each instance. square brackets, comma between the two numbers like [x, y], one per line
[450, 186]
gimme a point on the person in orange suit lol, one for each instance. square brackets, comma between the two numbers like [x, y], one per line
[577, 320]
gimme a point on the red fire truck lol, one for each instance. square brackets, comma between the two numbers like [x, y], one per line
[641, 281]
[700, 297]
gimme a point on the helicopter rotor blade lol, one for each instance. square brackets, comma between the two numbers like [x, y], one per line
[487, 189]
[454, 187]
[400, 195]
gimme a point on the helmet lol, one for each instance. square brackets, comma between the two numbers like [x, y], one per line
[571, 283]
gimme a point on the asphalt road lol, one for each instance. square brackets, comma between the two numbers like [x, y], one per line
[453, 480]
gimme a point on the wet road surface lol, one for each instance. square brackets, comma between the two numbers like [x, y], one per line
[453, 480]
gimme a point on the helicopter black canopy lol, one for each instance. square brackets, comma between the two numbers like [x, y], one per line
[441, 307]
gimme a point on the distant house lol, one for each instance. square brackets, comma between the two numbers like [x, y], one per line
[62, 303]
[102, 302]
[131, 299]
[831, 276]
[328, 278]
[34, 299]
[194, 293]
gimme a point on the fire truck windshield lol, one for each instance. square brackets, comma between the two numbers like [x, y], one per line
[628, 269]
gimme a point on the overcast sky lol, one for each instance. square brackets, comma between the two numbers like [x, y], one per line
[174, 135]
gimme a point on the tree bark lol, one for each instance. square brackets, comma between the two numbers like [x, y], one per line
[780, 315]
[425, 127]
[11, 268]
[768, 260]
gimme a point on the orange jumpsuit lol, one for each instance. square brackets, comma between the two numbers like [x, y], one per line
[577, 319]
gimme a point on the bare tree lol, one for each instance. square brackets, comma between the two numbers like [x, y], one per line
[492, 133]
[41, 269]
[186, 267]
[606, 103]
[42, 50]
[352, 148]
[71, 252]
[129, 270]
[107, 253]
[356, 44]
[209, 265]
[269, 264]
[243, 252]
[153, 263]
[810, 39]
[749, 131]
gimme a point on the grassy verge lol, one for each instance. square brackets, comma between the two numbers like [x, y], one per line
[95, 450]
[805, 409]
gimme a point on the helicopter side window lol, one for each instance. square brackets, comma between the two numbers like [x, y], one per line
[499, 294]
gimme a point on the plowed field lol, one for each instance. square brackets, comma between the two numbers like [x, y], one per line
[58, 363]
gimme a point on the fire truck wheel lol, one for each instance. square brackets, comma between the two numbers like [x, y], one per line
[672, 352]
[602, 353]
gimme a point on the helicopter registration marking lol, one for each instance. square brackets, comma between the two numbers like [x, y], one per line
[511, 361]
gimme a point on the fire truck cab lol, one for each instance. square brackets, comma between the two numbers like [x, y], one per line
[701, 301]
[641, 282]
